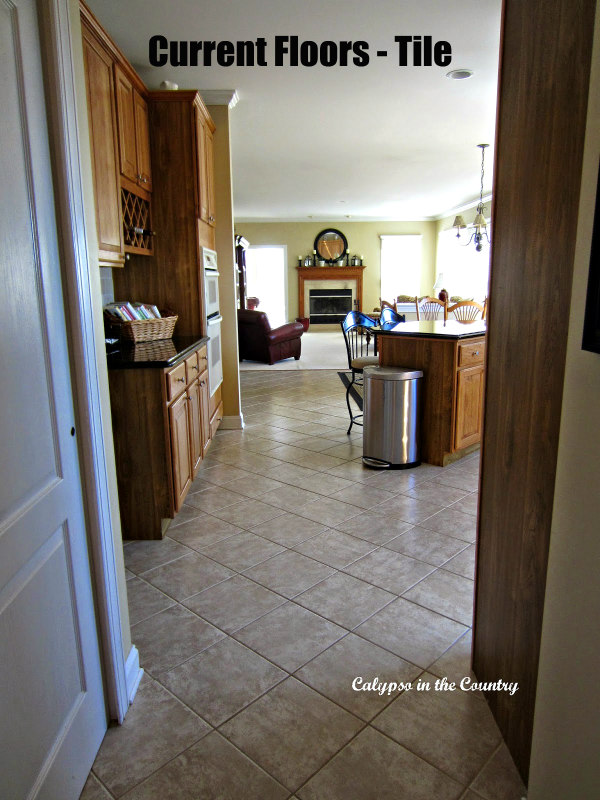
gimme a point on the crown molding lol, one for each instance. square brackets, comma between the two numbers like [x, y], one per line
[452, 212]
[220, 97]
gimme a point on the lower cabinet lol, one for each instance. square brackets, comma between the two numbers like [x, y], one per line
[162, 428]
[469, 406]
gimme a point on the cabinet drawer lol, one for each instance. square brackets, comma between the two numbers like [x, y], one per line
[176, 381]
[216, 419]
[202, 360]
[470, 353]
[191, 367]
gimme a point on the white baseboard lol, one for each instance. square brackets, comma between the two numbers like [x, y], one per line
[133, 673]
[233, 423]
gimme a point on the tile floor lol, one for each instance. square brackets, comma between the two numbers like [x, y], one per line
[291, 570]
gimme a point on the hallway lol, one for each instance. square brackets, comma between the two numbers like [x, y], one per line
[292, 570]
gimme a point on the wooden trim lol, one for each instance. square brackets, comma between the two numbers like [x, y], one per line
[539, 145]
[327, 274]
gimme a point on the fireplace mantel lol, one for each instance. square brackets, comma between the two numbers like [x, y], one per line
[327, 274]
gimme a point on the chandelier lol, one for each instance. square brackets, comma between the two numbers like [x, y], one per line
[479, 225]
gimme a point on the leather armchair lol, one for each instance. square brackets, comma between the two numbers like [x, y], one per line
[258, 342]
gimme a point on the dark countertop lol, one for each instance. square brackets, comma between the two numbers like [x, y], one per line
[158, 354]
[434, 329]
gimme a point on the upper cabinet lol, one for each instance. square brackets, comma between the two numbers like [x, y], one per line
[204, 129]
[103, 140]
[134, 139]
[120, 144]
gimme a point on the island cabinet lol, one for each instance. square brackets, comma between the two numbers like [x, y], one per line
[453, 364]
[161, 428]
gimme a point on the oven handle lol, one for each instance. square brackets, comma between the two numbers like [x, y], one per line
[212, 272]
[214, 320]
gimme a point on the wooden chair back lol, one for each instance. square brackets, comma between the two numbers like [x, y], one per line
[467, 310]
[429, 308]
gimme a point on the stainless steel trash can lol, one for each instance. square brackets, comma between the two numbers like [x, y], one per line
[391, 409]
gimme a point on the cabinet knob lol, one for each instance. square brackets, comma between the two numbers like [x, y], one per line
[180, 380]
[194, 366]
[476, 352]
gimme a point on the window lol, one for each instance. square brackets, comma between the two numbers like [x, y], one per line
[461, 270]
[400, 265]
[266, 278]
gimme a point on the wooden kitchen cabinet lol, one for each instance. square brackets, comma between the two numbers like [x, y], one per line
[99, 76]
[133, 130]
[161, 431]
[205, 167]
[469, 406]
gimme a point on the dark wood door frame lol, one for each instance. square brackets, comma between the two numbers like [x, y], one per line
[545, 66]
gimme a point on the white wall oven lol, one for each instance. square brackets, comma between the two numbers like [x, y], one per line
[213, 318]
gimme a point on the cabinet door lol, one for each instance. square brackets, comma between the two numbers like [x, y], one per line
[202, 187]
[469, 406]
[126, 119]
[142, 141]
[103, 140]
[195, 419]
[205, 410]
[210, 177]
[180, 449]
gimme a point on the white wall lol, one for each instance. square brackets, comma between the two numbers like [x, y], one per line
[565, 763]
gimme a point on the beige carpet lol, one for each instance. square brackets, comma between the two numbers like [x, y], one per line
[320, 350]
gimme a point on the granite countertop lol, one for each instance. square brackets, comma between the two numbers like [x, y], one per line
[158, 354]
[436, 329]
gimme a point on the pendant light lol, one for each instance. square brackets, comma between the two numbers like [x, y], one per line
[479, 223]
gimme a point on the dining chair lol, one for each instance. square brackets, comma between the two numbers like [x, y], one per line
[429, 308]
[360, 341]
[388, 315]
[467, 310]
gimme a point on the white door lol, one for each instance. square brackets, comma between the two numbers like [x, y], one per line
[52, 716]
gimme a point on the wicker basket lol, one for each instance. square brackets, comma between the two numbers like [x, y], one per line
[141, 330]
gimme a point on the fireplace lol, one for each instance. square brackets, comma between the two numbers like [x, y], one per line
[329, 305]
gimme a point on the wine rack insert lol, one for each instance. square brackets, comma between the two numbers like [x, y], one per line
[137, 224]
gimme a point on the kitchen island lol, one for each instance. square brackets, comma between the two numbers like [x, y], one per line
[452, 357]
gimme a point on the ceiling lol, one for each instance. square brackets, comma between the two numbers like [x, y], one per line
[379, 142]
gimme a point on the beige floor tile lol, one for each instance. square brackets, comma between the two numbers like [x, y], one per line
[289, 529]
[248, 513]
[455, 663]
[289, 497]
[171, 637]
[409, 509]
[255, 487]
[374, 527]
[363, 496]
[460, 479]
[222, 680]
[213, 499]
[391, 571]
[323, 483]
[348, 451]
[415, 634]
[315, 443]
[344, 600]
[187, 576]
[467, 505]
[372, 767]
[93, 790]
[291, 731]
[129, 575]
[156, 729]
[292, 474]
[242, 551]
[185, 514]
[290, 636]
[352, 471]
[335, 548]
[463, 564]
[446, 593]
[202, 531]
[450, 729]
[144, 600]
[289, 573]
[452, 522]
[223, 473]
[433, 548]
[290, 452]
[211, 770]
[436, 493]
[499, 779]
[234, 603]
[144, 555]
[333, 672]
[394, 480]
[329, 512]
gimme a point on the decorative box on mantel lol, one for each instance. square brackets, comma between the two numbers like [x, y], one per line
[341, 277]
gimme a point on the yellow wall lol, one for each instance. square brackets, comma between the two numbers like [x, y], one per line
[363, 239]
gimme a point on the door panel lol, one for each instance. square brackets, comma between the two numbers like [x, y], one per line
[51, 691]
